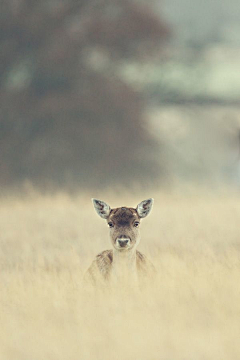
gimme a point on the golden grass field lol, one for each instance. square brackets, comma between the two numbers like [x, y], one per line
[191, 313]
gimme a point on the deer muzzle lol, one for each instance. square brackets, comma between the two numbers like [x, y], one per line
[122, 242]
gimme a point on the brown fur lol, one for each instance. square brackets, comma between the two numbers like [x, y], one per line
[100, 269]
[124, 261]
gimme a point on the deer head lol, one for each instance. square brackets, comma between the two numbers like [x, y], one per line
[123, 222]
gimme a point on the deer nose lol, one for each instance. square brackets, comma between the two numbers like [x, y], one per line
[123, 242]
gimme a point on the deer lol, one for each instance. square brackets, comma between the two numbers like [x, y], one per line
[123, 263]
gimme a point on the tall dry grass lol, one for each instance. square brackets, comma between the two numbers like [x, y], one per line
[191, 313]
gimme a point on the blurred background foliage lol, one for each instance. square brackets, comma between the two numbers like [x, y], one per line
[102, 93]
[67, 117]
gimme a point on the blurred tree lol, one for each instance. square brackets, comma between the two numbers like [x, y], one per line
[66, 117]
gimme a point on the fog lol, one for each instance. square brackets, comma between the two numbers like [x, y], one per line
[81, 86]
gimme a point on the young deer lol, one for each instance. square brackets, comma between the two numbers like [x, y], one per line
[122, 263]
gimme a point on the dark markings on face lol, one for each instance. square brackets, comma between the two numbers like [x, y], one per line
[123, 216]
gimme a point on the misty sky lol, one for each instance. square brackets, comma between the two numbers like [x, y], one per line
[197, 22]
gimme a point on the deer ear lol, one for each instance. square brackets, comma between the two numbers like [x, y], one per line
[101, 208]
[144, 208]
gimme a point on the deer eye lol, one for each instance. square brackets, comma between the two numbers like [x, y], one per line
[136, 224]
[110, 224]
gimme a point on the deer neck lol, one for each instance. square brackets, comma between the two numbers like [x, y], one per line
[124, 264]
